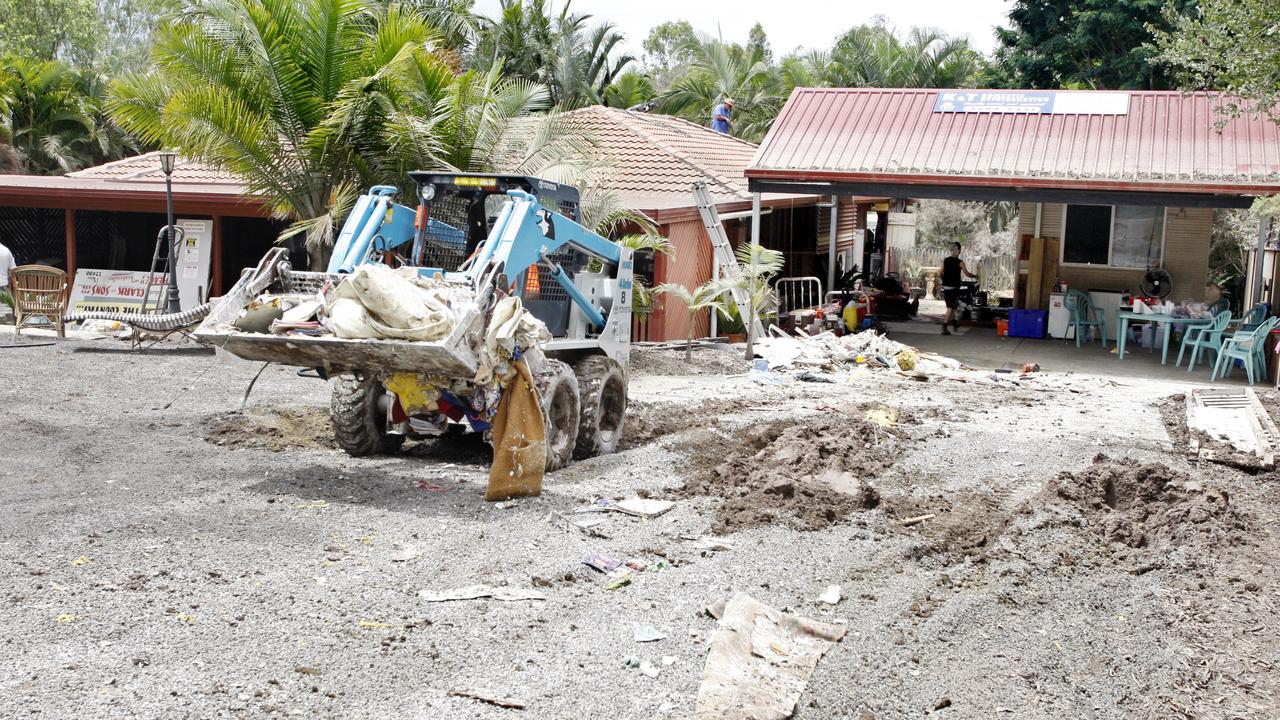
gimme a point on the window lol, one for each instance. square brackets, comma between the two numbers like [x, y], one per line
[1122, 236]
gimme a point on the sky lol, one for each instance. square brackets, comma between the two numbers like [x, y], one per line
[790, 23]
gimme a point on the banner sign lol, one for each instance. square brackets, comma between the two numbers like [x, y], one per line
[1032, 102]
[116, 291]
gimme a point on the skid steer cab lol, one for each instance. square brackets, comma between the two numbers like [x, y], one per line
[486, 237]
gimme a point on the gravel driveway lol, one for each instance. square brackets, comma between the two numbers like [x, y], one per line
[156, 567]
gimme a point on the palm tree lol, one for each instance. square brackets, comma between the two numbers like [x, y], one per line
[873, 56]
[49, 124]
[292, 96]
[756, 267]
[706, 295]
[722, 71]
[577, 62]
[631, 89]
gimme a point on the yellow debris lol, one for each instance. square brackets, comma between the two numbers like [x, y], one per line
[415, 396]
[882, 416]
[373, 624]
[82, 560]
[186, 617]
[907, 360]
[65, 618]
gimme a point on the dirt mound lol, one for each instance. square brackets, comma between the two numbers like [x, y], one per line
[810, 475]
[1141, 505]
[670, 361]
[955, 526]
[272, 428]
[647, 422]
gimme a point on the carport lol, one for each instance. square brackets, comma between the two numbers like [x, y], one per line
[1107, 182]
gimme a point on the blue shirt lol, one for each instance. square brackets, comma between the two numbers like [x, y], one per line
[720, 118]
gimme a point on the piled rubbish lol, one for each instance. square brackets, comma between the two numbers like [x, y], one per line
[829, 352]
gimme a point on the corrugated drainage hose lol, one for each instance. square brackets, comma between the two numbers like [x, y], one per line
[145, 321]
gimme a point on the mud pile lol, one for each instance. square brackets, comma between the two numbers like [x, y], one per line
[670, 361]
[808, 475]
[272, 428]
[1147, 506]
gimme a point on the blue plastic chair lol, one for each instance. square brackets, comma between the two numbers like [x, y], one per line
[1219, 305]
[1207, 336]
[1085, 315]
[1248, 349]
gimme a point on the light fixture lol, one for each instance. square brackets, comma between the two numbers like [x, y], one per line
[167, 160]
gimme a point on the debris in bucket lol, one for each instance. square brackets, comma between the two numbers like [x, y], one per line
[760, 660]
[476, 592]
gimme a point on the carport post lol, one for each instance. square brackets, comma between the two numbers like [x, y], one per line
[1259, 261]
[831, 246]
[755, 240]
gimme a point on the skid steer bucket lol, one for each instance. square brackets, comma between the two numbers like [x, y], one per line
[455, 356]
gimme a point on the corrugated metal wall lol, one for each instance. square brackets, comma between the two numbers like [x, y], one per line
[846, 225]
[689, 266]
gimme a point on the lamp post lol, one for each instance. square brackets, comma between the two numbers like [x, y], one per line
[167, 158]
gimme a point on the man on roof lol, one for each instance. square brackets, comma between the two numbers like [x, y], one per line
[721, 115]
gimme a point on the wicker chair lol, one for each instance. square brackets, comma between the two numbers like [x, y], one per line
[38, 291]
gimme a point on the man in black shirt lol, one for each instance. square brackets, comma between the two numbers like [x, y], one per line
[952, 268]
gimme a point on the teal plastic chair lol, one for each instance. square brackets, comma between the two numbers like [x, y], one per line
[1219, 305]
[1248, 349]
[1207, 337]
[1085, 315]
[1253, 318]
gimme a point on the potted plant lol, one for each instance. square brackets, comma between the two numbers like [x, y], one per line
[730, 322]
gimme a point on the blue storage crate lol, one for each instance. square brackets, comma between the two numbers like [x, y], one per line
[1028, 323]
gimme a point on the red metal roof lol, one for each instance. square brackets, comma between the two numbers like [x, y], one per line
[1166, 142]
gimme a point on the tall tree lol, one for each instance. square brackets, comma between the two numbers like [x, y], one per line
[874, 56]
[50, 29]
[1099, 44]
[126, 27]
[1230, 45]
[668, 53]
[758, 41]
[629, 90]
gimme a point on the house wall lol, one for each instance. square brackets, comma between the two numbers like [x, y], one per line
[690, 266]
[1186, 251]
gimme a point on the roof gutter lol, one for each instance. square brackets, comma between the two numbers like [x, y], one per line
[1252, 189]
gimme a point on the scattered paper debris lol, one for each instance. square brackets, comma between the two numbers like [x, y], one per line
[476, 592]
[638, 507]
[601, 563]
[649, 669]
[404, 553]
[760, 661]
[831, 595]
[647, 633]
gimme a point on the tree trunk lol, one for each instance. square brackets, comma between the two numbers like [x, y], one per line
[688, 344]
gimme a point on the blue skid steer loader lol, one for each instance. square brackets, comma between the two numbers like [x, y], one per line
[484, 238]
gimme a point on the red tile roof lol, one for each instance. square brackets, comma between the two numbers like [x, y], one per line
[145, 169]
[1165, 142]
[651, 161]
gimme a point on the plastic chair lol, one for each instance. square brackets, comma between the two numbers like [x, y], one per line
[1218, 306]
[1248, 349]
[38, 291]
[1085, 315]
[1207, 336]
[1253, 318]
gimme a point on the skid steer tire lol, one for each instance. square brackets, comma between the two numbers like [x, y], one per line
[558, 390]
[602, 386]
[359, 423]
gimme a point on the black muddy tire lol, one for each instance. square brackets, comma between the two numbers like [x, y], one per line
[602, 385]
[558, 389]
[359, 423]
